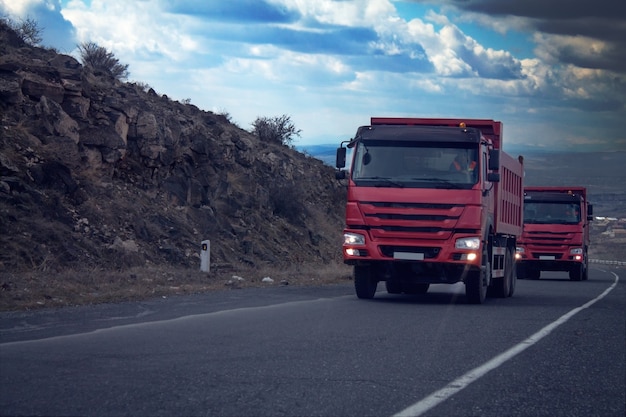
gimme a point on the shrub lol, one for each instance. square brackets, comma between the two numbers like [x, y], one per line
[287, 201]
[27, 30]
[278, 129]
[99, 59]
[143, 86]
[225, 114]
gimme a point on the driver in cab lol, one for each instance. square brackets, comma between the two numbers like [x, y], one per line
[462, 163]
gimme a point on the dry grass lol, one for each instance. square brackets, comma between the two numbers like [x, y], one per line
[37, 289]
[42, 288]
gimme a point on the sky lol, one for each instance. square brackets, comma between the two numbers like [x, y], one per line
[553, 71]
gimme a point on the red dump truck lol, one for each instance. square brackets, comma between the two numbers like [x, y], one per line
[431, 201]
[556, 232]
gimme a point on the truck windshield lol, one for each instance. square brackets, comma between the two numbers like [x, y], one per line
[384, 163]
[551, 212]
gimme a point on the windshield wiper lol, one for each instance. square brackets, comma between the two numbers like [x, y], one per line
[441, 180]
[384, 182]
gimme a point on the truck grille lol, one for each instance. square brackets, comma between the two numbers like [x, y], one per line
[547, 239]
[549, 235]
[538, 255]
[429, 252]
[411, 205]
[411, 220]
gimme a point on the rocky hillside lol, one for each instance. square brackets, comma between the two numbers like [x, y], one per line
[97, 173]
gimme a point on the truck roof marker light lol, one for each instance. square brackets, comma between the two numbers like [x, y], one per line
[462, 125]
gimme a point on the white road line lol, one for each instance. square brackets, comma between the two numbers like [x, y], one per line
[460, 383]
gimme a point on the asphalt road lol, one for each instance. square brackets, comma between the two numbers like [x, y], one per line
[557, 348]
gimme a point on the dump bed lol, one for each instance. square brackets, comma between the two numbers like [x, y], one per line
[509, 196]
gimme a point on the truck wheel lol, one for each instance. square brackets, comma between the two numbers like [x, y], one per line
[586, 268]
[475, 287]
[576, 274]
[476, 281]
[365, 282]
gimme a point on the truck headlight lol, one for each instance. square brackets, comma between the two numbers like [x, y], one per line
[520, 249]
[472, 243]
[576, 251]
[353, 239]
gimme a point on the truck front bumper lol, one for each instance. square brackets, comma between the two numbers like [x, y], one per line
[358, 249]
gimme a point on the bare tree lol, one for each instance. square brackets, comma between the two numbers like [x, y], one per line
[27, 30]
[98, 58]
[278, 129]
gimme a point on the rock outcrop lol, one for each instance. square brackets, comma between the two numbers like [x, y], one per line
[97, 173]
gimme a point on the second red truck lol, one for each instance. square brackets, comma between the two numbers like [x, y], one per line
[556, 232]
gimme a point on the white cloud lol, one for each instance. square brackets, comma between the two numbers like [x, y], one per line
[345, 13]
[501, 24]
[331, 64]
[580, 50]
[20, 8]
[128, 28]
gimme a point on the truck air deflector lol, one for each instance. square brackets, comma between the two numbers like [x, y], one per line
[424, 134]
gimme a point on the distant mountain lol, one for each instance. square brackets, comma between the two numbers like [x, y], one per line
[326, 152]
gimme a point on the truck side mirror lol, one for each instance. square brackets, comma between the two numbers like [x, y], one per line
[493, 177]
[494, 160]
[590, 210]
[341, 158]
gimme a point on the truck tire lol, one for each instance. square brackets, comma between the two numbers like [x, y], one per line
[476, 281]
[576, 274]
[475, 288]
[365, 282]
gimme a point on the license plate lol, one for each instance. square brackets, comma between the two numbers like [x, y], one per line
[409, 256]
[547, 258]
